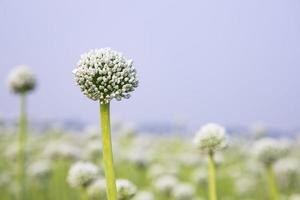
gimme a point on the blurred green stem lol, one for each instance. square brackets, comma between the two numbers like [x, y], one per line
[273, 191]
[22, 148]
[84, 195]
[111, 189]
[212, 177]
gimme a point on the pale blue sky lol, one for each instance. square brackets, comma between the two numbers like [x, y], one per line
[233, 62]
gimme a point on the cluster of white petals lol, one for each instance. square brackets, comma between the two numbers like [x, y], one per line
[126, 189]
[21, 80]
[210, 138]
[81, 174]
[269, 150]
[105, 74]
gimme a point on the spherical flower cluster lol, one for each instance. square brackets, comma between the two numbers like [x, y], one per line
[81, 174]
[268, 150]
[210, 138]
[126, 190]
[21, 80]
[97, 189]
[105, 74]
[183, 192]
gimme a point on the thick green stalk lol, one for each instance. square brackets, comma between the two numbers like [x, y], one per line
[22, 148]
[273, 191]
[212, 178]
[111, 188]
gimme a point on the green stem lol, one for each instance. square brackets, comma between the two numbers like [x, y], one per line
[212, 178]
[22, 148]
[111, 188]
[273, 191]
[84, 195]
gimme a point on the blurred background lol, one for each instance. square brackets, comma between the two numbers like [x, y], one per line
[232, 62]
[235, 63]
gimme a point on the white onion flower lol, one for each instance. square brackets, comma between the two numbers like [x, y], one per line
[183, 191]
[126, 189]
[268, 150]
[81, 174]
[210, 138]
[97, 189]
[105, 74]
[21, 80]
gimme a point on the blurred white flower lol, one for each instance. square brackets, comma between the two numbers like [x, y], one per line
[60, 150]
[105, 74]
[287, 171]
[5, 179]
[165, 184]
[21, 80]
[294, 197]
[183, 191]
[190, 160]
[210, 138]
[92, 132]
[158, 170]
[40, 169]
[143, 195]
[81, 174]
[126, 189]
[245, 185]
[97, 189]
[93, 150]
[200, 176]
[139, 157]
[268, 150]
[12, 151]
